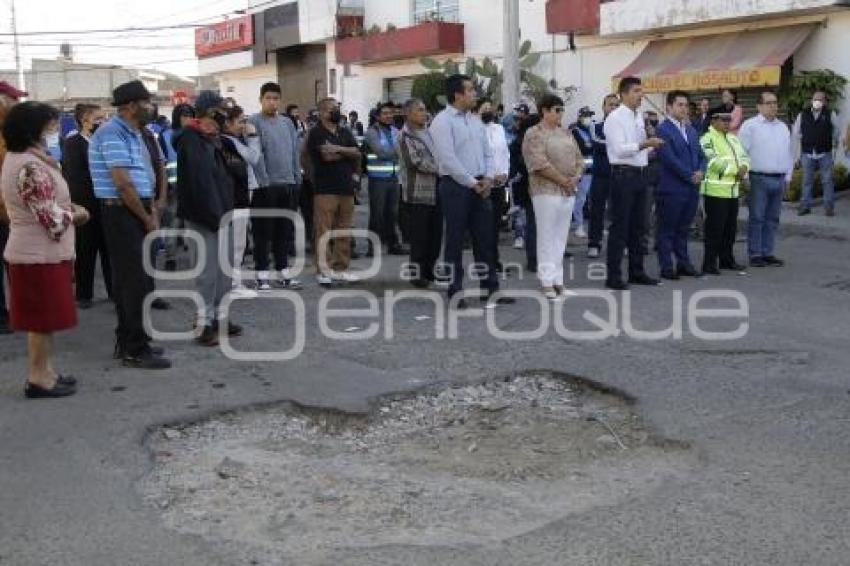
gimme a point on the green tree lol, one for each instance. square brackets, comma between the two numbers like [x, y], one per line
[487, 77]
[796, 94]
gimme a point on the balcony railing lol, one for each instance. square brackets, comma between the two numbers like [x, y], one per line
[430, 38]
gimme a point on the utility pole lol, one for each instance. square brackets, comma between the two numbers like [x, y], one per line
[510, 41]
[17, 47]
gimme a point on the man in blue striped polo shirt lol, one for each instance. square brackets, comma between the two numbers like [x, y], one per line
[124, 179]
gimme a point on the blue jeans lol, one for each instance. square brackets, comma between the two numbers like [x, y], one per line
[809, 166]
[581, 198]
[765, 202]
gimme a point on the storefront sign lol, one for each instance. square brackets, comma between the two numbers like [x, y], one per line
[709, 80]
[231, 35]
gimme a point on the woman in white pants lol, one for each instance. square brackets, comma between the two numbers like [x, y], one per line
[555, 166]
[243, 135]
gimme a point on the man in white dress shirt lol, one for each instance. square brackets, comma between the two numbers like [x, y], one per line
[628, 151]
[768, 143]
[501, 166]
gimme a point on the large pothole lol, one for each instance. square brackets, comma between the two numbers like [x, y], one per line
[462, 465]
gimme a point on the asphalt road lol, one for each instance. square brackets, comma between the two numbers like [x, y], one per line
[766, 414]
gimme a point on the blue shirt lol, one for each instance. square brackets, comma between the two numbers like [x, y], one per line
[116, 145]
[461, 146]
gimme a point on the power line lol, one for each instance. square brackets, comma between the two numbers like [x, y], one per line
[138, 29]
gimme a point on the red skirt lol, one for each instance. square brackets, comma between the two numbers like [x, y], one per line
[41, 297]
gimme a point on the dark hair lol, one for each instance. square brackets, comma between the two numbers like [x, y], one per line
[381, 105]
[708, 98]
[269, 87]
[81, 110]
[234, 112]
[353, 113]
[25, 124]
[626, 84]
[291, 107]
[733, 93]
[762, 93]
[454, 85]
[179, 111]
[549, 101]
[410, 103]
[325, 101]
[674, 94]
[610, 96]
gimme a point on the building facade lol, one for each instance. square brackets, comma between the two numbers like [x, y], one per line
[587, 44]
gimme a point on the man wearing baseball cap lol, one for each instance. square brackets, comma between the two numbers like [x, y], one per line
[9, 96]
[124, 179]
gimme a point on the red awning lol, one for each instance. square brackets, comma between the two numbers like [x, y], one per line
[729, 60]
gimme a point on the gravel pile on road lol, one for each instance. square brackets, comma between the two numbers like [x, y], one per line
[462, 465]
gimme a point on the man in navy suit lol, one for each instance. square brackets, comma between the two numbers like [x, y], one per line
[682, 165]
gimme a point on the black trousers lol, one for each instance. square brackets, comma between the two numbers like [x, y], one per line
[383, 209]
[4, 311]
[425, 226]
[89, 243]
[497, 197]
[600, 193]
[305, 199]
[124, 235]
[530, 236]
[275, 233]
[721, 227]
[628, 220]
[464, 210]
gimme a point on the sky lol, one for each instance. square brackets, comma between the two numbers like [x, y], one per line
[167, 50]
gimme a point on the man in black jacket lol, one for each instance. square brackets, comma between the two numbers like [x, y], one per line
[205, 196]
[90, 240]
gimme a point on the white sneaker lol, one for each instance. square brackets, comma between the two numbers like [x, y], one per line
[324, 280]
[581, 232]
[287, 281]
[263, 283]
[345, 277]
[244, 293]
[519, 244]
[593, 253]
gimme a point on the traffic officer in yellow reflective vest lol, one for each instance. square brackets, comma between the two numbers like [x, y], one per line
[382, 169]
[727, 164]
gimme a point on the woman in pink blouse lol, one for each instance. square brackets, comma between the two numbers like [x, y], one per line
[555, 165]
[40, 251]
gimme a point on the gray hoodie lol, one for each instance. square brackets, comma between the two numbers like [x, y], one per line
[279, 143]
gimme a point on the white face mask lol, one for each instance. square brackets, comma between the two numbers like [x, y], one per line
[586, 122]
[817, 104]
[52, 139]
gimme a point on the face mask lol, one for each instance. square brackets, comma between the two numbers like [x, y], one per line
[488, 117]
[817, 104]
[52, 139]
[144, 116]
[336, 117]
[586, 122]
[653, 123]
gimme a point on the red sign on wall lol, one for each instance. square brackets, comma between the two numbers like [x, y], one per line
[230, 35]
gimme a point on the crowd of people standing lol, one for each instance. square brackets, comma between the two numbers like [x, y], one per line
[433, 182]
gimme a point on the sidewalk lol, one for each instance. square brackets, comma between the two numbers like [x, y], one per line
[815, 223]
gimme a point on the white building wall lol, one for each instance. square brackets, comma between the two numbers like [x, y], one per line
[647, 16]
[244, 84]
[316, 20]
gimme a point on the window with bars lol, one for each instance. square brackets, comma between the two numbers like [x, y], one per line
[436, 10]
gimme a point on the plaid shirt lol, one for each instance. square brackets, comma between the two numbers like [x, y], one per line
[418, 167]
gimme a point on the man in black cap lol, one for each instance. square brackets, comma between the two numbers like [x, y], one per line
[124, 180]
[205, 195]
